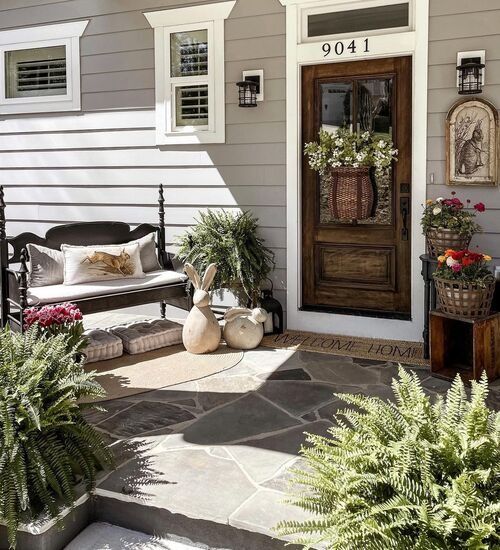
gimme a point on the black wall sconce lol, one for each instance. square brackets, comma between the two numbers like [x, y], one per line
[251, 88]
[470, 72]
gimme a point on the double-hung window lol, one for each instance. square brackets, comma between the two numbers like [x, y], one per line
[40, 68]
[189, 66]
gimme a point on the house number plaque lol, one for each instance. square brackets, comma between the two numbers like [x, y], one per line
[345, 47]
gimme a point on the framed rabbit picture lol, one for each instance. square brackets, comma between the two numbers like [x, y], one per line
[472, 143]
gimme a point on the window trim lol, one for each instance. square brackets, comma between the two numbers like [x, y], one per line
[166, 22]
[61, 34]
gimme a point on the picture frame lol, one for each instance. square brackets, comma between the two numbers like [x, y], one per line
[472, 143]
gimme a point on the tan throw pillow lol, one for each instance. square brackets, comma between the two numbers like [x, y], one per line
[87, 264]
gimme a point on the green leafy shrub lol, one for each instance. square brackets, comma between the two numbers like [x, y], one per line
[46, 446]
[231, 242]
[410, 475]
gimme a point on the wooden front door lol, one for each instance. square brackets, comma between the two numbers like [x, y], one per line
[358, 266]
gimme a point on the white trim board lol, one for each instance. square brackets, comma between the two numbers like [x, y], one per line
[413, 43]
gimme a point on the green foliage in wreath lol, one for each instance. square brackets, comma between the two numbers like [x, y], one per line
[409, 475]
[231, 242]
[46, 445]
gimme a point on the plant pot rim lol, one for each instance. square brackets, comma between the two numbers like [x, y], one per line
[475, 284]
[448, 231]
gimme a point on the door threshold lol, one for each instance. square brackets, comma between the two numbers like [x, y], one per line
[358, 312]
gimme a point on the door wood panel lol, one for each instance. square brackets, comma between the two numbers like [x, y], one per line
[358, 267]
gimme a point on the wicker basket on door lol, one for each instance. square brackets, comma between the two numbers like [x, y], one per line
[439, 240]
[469, 300]
[352, 194]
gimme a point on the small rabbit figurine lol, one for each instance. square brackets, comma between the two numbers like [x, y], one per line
[244, 328]
[201, 332]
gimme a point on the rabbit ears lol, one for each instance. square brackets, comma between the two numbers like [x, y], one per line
[207, 278]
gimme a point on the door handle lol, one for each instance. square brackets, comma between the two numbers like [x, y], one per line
[405, 214]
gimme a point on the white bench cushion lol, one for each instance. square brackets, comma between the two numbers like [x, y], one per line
[148, 335]
[102, 345]
[64, 293]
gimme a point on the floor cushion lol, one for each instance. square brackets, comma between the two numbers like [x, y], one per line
[69, 293]
[102, 345]
[148, 335]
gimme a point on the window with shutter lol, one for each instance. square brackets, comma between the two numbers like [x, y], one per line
[40, 68]
[36, 72]
[189, 66]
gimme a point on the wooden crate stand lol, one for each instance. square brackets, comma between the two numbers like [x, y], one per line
[465, 346]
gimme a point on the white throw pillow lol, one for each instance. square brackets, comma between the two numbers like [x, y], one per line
[86, 264]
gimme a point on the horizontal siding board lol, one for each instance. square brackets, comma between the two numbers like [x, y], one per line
[274, 90]
[238, 28]
[487, 195]
[122, 80]
[274, 67]
[269, 216]
[79, 122]
[121, 61]
[264, 132]
[186, 196]
[260, 48]
[268, 111]
[440, 76]
[227, 155]
[450, 7]
[441, 100]
[137, 39]
[187, 176]
[476, 23]
[443, 51]
[125, 99]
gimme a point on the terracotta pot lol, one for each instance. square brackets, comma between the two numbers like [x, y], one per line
[464, 300]
[439, 240]
[352, 194]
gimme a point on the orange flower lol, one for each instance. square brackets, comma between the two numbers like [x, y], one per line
[486, 258]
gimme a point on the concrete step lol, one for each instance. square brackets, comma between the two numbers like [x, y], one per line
[100, 536]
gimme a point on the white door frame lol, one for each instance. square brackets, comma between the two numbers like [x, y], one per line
[414, 43]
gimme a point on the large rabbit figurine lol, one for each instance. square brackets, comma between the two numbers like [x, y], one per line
[244, 328]
[201, 332]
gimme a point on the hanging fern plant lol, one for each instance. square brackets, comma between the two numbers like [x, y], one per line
[46, 446]
[411, 475]
[231, 242]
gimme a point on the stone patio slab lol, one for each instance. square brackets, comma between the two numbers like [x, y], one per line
[295, 397]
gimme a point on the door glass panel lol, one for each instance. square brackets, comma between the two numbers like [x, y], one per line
[336, 106]
[349, 21]
[373, 114]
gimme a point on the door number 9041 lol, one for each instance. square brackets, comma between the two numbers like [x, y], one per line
[341, 48]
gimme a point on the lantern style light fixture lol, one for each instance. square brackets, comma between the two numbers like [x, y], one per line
[251, 88]
[274, 322]
[470, 72]
[247, 93]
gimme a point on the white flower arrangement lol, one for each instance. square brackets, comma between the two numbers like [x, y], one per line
[345, 148]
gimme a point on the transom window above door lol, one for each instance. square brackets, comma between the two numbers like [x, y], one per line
[356, 18]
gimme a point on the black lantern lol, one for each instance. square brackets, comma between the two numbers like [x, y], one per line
[248, 93]
[470, 76]
[274, 324]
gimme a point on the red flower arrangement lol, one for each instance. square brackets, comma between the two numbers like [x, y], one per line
[59, 319]
[464, 265]
[48, 316]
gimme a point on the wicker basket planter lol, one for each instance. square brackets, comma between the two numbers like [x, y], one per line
[464, 300]
[352, 195]
[440, 240]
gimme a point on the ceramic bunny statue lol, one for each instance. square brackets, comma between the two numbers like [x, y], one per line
[201, 332]
[244, 328]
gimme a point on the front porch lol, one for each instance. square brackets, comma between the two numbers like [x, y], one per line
[208, 462]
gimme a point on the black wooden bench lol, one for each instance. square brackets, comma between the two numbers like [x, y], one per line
[16, 296]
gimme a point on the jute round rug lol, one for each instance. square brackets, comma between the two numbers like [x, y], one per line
[134, 374]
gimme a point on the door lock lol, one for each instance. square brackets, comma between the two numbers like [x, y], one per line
[405, 214]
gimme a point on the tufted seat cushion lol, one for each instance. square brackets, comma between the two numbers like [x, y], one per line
[64, 293]
[102, 345]
[148, 335]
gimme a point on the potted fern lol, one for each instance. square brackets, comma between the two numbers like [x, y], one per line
[46, 446]
[410, 475]
[232, 243]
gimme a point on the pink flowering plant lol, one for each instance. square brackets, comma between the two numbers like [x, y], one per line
[59, 319]
[452, 214]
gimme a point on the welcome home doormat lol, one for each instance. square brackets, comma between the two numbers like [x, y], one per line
[397, 351]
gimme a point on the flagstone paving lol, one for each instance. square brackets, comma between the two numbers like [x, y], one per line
[220, 449]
